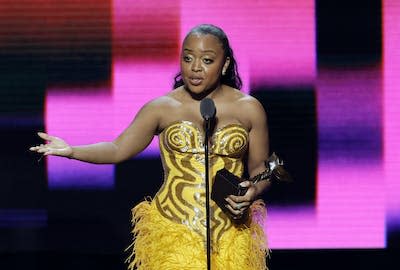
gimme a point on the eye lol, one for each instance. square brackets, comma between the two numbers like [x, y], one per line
[187, 58]
[208, 61]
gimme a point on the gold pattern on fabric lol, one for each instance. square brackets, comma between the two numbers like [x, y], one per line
[181, 198]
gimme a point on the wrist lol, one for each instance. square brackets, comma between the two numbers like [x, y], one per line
[261, 187]
[71, 155]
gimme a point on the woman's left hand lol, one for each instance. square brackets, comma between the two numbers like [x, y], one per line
[238, 205]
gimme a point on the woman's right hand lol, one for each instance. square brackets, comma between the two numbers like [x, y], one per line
[54, 146]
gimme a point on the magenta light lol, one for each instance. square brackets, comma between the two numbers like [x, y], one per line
[349, 212]
[351, 204]
[349, 98]
[274, 41]
[145, 30]
[391, 105]
[79, 116]
[135, 84]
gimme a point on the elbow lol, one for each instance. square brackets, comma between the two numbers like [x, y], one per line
[119, 155]
[116, 155]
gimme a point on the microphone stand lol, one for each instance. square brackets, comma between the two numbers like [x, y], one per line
[208, 227]
[208, 111]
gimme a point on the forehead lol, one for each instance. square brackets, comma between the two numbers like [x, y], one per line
[203, 42]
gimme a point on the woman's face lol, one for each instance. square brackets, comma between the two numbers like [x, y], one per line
[202, 63]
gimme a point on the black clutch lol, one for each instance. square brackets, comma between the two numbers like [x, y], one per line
[226, 184]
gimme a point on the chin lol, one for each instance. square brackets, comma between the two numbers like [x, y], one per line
[197, 92]
[198, 89]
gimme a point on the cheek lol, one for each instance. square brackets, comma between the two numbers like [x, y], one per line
[213, 72]
[185, 68]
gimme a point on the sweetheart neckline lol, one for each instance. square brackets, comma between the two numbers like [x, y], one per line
[200, 130]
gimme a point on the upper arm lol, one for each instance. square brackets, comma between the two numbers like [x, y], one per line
[138, 135]
[258, 137]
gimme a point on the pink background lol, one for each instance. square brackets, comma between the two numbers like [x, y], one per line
[274, 42]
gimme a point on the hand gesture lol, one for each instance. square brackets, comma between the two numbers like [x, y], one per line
[239, 205]
[54, 146]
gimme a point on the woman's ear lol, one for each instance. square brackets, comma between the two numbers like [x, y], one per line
[226, 65]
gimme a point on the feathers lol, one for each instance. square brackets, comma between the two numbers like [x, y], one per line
[159, 243]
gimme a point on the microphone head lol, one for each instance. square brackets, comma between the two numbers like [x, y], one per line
[207, 108]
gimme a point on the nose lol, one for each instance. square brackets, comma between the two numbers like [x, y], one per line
[196, 65]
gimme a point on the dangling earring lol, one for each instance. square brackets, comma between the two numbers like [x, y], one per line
[223, 73]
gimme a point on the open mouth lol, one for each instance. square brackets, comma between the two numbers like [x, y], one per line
[195, 80]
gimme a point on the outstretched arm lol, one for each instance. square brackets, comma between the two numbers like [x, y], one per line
[132, 140]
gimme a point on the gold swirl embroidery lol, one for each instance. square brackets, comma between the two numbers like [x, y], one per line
[230, 140]
[180, 139]
[182, 197]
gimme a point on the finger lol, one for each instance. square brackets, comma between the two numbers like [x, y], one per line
[242, 206]
[234, 198]
[238, 199]
[246, 183]
[42, 150]
[34, 148]
[42, 135]
[233, 211]
[238, 205]
[45, 136]
[37, 147]
[231, 202]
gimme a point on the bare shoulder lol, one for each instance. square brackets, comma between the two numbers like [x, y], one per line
[243, 99]
[254, 111]
[246, 108]
[154, 110]
[250, 102]
[162, 102]
[251, 105]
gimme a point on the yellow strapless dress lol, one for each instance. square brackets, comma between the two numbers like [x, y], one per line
[170, 230]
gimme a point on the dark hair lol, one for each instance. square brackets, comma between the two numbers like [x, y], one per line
[231, 77]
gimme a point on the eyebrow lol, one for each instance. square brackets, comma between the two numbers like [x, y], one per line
[205, 51]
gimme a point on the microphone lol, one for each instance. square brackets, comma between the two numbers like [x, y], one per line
[207, 110]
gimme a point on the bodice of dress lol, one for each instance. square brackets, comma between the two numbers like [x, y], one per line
[181, 198]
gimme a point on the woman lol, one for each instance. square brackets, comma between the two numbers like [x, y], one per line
[169, 231]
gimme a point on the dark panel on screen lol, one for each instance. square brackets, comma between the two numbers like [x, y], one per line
[138, 178]
[23, 178]
[100, 220]
[95, 220]
[393, 239]
[73, 47]
[348, 31]
[293, 136]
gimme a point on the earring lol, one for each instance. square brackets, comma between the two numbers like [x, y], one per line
[223, 72]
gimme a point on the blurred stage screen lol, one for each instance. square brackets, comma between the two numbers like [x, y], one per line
[82, 69]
